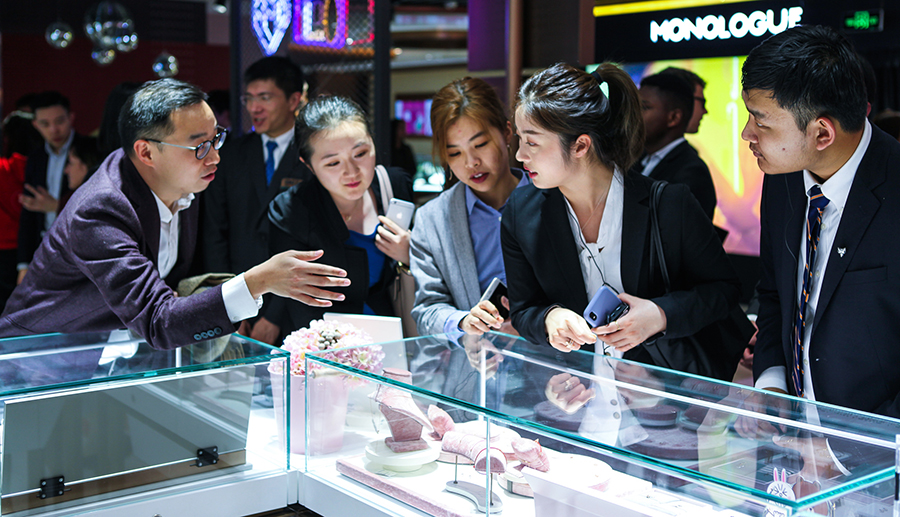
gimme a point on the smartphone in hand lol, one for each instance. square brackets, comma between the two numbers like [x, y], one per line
[605, 307]
[494, 292]
[401, 212]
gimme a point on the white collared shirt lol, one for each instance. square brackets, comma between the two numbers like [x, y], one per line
[239, 304]
[836, 189]
[607, 250]
[283, 142]
[652, 160]
[56, 162]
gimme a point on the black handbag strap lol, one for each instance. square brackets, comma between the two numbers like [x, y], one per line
[656, 249]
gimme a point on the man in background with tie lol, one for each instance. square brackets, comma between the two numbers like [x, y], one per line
[829, 316]
[254, 169]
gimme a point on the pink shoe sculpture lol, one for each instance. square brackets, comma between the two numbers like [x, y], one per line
[404, 417]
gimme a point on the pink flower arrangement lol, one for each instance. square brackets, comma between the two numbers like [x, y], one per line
[341, 341]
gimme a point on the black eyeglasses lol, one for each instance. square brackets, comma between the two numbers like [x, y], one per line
[200, 151]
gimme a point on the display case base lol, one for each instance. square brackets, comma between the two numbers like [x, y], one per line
[30, 500]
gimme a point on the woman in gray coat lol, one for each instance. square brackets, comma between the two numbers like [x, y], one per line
[455, 246]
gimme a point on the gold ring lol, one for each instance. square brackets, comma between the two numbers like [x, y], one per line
[618, 328]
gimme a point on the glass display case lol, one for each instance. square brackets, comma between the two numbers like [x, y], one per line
[88, 418]
[493, 424]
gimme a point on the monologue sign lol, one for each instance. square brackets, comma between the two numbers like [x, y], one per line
[711, 27]
[706, 31]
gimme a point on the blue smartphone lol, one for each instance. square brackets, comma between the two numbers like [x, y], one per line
[603, 305]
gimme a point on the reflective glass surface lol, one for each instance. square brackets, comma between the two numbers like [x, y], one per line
[108, 413]
[710, 441]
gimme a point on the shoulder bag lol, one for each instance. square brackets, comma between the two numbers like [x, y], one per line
[715, 350]
[403, 289]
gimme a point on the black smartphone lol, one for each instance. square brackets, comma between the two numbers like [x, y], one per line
[494, 292]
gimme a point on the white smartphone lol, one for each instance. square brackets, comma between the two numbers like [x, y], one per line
[494, 294]
[401, 212]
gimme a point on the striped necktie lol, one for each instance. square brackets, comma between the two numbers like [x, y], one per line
[817, 204]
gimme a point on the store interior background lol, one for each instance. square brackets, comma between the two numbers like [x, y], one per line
[431, 43]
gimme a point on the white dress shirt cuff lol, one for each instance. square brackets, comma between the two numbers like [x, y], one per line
[239, 303]
[773, 377]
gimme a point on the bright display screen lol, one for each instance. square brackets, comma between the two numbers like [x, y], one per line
[735, 173]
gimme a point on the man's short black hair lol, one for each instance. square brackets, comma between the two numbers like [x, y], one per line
[48, 99]
[288, 76]
[675, 92]
[687, 75]
[811, 71]
[147, 113]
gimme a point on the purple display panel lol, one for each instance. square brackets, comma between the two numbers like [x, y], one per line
[416, 113]
[314, 21]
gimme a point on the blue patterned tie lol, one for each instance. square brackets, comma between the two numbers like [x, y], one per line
[817, 203]
[271, 145]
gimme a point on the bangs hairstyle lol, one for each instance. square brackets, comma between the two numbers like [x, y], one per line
[322, 114]
[569, 102]
[147, 113]
[811, 71]
[467, 97]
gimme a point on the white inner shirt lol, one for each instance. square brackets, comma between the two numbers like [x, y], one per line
[836, 189]
[56, 162]
[607, 250]
[652, 160]
[283, 142]
[239, 303]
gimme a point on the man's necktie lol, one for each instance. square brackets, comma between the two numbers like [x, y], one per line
[817, 203]
[271, 145]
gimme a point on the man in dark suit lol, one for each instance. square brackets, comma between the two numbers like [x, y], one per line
[127, 236]
[667, 104]
[829, 293]
[699, 86]
[255, 169]
[44, 182]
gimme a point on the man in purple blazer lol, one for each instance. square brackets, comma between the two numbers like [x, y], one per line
[128, 235]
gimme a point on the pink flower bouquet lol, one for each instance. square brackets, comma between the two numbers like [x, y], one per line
[341, 343]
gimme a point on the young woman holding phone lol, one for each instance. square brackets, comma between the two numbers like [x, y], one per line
[339, 211]
[456, 242]
[584, 223]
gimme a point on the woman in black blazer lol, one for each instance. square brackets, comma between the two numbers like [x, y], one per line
[340, 212]
[584, 223]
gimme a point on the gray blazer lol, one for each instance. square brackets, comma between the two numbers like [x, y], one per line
[443, 261]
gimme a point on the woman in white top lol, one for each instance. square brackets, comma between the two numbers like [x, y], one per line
[584, 224]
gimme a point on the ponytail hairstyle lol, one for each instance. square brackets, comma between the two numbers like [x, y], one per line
[325, 113]
[604, 105]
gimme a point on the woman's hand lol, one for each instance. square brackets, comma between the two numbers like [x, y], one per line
[567, 392]
[644, 319]
[566, 330]
[392, 240]
[481, 318]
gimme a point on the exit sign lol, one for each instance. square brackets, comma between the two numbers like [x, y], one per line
[871, 20]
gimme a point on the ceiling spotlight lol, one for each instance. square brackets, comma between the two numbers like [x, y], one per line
[219, 6]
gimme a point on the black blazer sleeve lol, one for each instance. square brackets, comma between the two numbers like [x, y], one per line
[32, 223]
[528, 302]
[696, 176]
[216, 219]
[705, 285]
